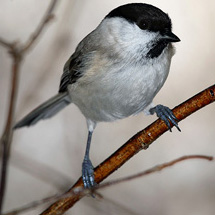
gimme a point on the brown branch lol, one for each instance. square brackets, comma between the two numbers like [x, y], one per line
[17, 52]
[140, 141]
[83, 191]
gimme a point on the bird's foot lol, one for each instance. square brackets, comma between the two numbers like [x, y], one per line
[88, 174]
[166, 115]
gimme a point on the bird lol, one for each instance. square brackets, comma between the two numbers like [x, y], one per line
[115, 72]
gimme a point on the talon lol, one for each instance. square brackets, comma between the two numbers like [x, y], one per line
[88, 174]
[166, 115]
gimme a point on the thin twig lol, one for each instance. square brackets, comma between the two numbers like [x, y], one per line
[140, 141]
[33, 205]
[17, 52]
[83, 191]
[5, 43]
[46, 19]
[154, 169]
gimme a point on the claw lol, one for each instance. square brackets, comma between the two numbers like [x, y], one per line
[88, 174]
[166, 115]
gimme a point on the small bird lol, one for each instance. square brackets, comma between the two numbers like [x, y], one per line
[115, 72]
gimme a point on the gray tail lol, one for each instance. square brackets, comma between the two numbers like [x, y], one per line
[45, 110]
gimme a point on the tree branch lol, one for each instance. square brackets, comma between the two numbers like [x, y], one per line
[142, 140]
[107, 184]
[6, 139]
[17, 52]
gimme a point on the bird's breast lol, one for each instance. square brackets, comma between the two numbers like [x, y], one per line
[117, 92]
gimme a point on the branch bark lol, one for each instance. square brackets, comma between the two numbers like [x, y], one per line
[142, 140]
[17, 52]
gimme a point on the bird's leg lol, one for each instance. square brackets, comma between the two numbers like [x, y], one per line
[166, 115]
[87, 167]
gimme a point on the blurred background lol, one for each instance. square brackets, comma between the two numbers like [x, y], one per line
[46, 158]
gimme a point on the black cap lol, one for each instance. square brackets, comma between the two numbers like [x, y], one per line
[144, 15]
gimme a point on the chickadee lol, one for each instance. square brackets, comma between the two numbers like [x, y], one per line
[115, 72]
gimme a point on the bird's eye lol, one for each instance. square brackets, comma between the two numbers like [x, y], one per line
[144, 25]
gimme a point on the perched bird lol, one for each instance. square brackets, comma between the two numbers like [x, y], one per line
[115, 72]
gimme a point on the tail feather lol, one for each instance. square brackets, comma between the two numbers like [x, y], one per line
[45, 110]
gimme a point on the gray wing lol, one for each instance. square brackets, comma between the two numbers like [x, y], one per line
[71, 72]
[78, 62]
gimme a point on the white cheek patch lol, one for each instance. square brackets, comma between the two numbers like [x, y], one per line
[128, 37]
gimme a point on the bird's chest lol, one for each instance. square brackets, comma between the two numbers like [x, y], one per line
[119, 92]
[135, 87]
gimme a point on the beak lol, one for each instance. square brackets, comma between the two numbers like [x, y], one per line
[170, 37]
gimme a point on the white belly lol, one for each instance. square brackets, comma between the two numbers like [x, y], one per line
[116, 94]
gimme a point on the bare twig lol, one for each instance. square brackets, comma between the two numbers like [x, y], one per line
[33, 205]
[140, 141]
[5, 43]
[17, 52]
[155, 169]
[83, 191]
[47, 17]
